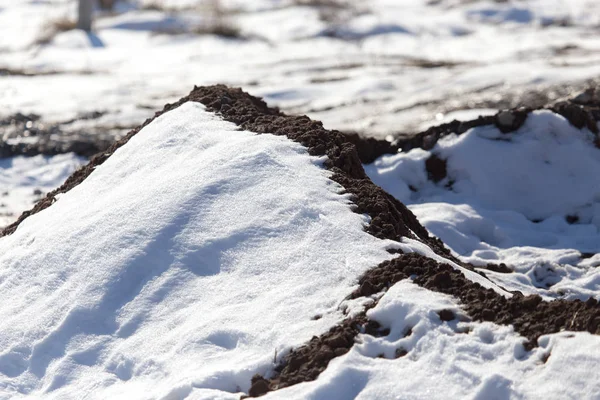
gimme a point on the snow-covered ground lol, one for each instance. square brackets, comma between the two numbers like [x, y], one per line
[488, 363]
[379, 67]
[530, 199]
[200, 252]
[198, 255]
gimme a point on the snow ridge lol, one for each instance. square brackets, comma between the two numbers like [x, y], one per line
[199, 252]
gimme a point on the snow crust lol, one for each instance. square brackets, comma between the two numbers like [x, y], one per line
[191, 259]
[452, 360]
[507, 198]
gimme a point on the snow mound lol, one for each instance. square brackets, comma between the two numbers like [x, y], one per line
[530, 199]
[181, 266]
[197, 260]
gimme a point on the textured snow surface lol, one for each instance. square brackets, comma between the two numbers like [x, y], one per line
[187, 260]
[507, 198]
[197, 255]
[452, 360]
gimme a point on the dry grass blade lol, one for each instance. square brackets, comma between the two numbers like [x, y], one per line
[54, 27]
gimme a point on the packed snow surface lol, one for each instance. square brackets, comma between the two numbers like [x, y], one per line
[184, 263]
[509, 198]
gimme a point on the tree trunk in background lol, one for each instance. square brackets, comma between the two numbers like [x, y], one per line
[84, 20]
[107, 4]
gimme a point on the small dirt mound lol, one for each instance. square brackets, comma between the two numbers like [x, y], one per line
[390, 219]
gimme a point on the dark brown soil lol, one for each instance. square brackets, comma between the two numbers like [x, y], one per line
[436, 168]
[530, 316]
[390, 219]
[30, 136]
[370, 149]
[307, 362]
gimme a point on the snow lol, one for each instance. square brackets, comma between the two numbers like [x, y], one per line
[452, 359]
[509, 200]
[189, 262]
[369, 78]
[23, 180]
[201, 257]
[201, 252]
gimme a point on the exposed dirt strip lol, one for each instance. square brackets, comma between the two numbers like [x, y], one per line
[582, 111]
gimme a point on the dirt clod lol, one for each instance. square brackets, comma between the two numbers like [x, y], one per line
[579, 116]
[259, 386]
[400, 352]
[447, 315]
[436, 168]
[510, 120]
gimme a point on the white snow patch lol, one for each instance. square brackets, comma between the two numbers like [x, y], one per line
[182, 264]
[509, 199]
[452, 360]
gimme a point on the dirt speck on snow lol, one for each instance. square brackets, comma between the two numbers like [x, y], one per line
[436, 168]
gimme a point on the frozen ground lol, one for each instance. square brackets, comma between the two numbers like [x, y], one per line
[530, 199]
[380, 66]
[207, 253]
